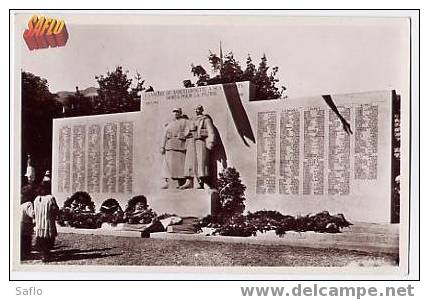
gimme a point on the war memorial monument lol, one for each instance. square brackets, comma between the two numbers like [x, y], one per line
[296, 156]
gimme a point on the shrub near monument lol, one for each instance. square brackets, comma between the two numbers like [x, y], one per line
[229, 220]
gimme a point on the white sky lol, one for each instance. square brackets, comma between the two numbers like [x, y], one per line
[314, 55]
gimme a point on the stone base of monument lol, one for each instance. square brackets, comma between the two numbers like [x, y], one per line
[184, 203]
[100, 231]
[367, 237]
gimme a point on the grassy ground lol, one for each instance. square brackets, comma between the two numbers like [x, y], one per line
[76, 249]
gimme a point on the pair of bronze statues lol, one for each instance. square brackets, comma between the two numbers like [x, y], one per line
[186, 147]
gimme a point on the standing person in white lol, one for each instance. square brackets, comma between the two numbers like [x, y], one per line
[45, 213]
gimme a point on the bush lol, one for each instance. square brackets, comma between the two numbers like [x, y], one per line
[231, 194]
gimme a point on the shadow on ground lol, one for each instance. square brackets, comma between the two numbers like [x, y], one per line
[59, 255]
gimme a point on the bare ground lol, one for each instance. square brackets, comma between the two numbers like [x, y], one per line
[77, 249]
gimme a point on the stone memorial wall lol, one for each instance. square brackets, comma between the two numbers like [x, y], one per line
[94, 154]
[306, 162]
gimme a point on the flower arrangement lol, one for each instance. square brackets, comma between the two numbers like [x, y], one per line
[262, 221]
[79, 211]
[111, 212]
[138, 211]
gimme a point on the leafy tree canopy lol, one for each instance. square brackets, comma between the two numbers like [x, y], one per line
[116, 93]
[227, 70]
[39, 107]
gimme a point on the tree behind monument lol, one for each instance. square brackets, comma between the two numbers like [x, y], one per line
[39, 107]
[115, 93]
[228, 70]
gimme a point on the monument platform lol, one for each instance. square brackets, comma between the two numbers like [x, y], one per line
[184, 203]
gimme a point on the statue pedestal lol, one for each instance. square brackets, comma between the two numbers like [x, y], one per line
[184, 203]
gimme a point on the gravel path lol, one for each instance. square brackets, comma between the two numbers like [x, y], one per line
[77, 249]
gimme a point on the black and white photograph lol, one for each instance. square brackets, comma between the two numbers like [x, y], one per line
[217, 143]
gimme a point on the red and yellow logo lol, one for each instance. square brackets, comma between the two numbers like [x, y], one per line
[44, 32]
